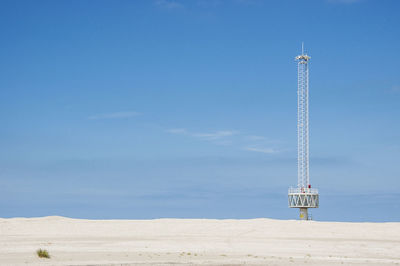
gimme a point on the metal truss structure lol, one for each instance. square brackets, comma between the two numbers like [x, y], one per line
[303, 196]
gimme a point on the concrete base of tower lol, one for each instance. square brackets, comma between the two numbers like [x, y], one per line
[303, 213]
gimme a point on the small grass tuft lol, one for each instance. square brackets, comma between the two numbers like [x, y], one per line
[42, 253]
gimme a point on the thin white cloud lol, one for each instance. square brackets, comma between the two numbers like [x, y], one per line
[115, 115]
[181, 131]
[261, 149]
[252, 143]
[261, 140]
[217, 135]
[168, 4]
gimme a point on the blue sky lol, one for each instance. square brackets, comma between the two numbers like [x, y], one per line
[148, 109]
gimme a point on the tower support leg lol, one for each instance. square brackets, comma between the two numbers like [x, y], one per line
[303, 213]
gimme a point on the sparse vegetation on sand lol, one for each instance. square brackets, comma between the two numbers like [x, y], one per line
[42, 253]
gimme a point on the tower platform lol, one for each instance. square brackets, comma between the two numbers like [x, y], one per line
[303, 198]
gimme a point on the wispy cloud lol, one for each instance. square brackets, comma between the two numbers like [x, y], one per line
[181, 131]
[217, 135]
[114, 115]
[252, 143]
[261, 149]
[168, 4]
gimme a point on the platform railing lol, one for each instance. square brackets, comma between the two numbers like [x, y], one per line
[303, 190]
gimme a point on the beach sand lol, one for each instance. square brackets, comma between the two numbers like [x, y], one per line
[197, 242]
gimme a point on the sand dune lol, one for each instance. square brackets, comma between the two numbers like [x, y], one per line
[197, 242]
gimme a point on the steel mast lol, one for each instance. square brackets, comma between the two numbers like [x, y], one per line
[303, 196]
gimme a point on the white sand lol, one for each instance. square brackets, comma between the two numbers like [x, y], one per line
[197, 242]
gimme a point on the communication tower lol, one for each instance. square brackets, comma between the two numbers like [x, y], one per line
[303, 196]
